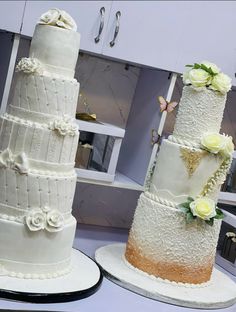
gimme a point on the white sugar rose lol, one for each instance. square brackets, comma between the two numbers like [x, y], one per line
[229, 146]
[199, 77]
[213, 142]
[213, 66]
[221, 83]
[203, 208]
[50, 17]
[60, 18]
[64, 126]
[185, 77]
[67, 21]
[35, 220]
[55, 221]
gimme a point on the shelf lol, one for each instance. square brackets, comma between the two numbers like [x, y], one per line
[120, 181]
[101, 128]
[227, 198]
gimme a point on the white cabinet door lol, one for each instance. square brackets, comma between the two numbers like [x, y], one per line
[85, 13]
[11, 15]
[170, 34]
[148, 33]
[209, 35]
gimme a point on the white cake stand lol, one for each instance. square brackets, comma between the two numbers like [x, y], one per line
[84, 280]
[219, 293]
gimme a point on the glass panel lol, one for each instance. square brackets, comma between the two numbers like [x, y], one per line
[94, 151]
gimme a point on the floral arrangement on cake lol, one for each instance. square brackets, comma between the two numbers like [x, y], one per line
[203, 208]
[206, 74]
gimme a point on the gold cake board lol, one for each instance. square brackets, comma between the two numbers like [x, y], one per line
[83, 280]
[219, 293]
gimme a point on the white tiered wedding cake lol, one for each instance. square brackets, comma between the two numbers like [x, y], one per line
[38, 142]
[176, 224]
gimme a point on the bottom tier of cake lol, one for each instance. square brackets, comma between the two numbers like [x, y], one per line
[162, 244]
[40, 254]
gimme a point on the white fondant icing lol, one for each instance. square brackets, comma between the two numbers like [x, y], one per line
[16, 162]
[178, 182]
[59, 18]
[46, 95]
[42, 253]
[35, 208]
[46, 46]
[174, 241]
[37, 141]
[200, 111]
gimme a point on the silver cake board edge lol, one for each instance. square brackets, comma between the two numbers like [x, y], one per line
[84, 280]
[110, 258]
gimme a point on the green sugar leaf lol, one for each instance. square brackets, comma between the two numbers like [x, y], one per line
[210, 222]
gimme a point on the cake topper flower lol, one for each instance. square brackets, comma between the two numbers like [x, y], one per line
[59, 18]
[206, 74]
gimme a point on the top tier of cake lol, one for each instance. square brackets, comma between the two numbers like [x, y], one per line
[46, 46]
[200, 111]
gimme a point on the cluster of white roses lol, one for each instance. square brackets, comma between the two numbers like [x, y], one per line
[218, 143]
[64, 126]
[29, 65]
[60, 18]
[207, 74]
[44, 219]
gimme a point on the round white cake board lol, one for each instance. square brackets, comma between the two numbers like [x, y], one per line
[219, 293]
[83, 280]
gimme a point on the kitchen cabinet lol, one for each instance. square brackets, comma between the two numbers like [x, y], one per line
[88, 16]
[170, 34]
[159, 34]
[11, 15]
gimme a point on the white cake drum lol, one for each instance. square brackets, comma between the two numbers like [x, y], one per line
[82, 281]
[219, 292]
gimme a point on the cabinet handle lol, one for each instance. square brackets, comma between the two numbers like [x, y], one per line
[102, 12]
[118, 14]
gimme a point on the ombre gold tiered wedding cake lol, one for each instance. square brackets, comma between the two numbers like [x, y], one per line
[176, 224]
[38, 142]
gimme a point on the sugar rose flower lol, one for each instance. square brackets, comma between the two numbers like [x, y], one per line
[213, 142]
[55, 221]
[198, 77]
[203, 208]
[60, 18]
[185, 77]
[29, 65]
[50, 17]
[213, 66]
[35, 220]
[221, 83]
[229, 146]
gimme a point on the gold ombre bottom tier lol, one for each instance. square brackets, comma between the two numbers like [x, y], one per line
[162, 244]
